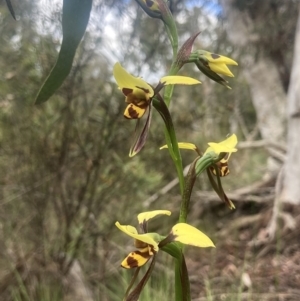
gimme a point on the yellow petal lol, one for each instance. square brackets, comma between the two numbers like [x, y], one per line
[183, 145]
[225, 146]
[134, 112]
[219, 59]
[178, 80]
[145, 216]
[126, 80]
[220, 69]
[186, 145]
[141, 237]
[190, 235]
[136, 259]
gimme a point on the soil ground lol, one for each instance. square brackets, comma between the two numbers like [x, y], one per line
[246, 265]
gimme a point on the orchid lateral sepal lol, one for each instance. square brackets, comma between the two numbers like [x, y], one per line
[218, 188]
[140, 135]
[132, 281]
[135, 293]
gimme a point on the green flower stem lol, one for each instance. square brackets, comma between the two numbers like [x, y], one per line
[170, 88]
[170, 133]
[171, 139]
[173, 37]
[170, 26]
[182, 283]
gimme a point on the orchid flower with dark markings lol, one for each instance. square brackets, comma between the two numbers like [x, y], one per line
[139, 95]
[215, 161]
[148, 244]
[216, 62]
[211, 64]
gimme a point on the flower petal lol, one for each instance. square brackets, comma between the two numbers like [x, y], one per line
[219, 59]
[134, 112]
[136, 259]
[219, 189]
[190, 235]
[225, 146]
[183, 145]
[145, 216]
[220, 68]
[126, 80]
[135, 293]
[178, 80]
[146, 238]
[141, 135]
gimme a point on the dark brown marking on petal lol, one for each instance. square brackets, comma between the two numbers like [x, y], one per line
[143, 89]
[132, 113]
[215, 56]
[127, 91]
[131, 261]
[223, 169]
[149, 3]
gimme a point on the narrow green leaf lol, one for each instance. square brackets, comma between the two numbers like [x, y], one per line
[10, 8]
[76, 14]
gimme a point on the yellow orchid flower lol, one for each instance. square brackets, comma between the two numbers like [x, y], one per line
[226, 146]
[148, 244]
[139, 93]
[220, 168]
[218, 63]
[212, 64]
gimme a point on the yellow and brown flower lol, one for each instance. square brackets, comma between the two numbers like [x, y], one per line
[148, 244]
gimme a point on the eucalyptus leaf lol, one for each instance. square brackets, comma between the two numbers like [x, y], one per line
[10, 8]
[76, 14]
